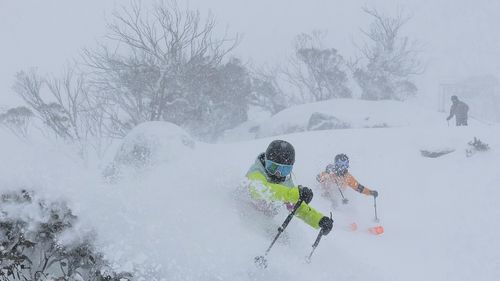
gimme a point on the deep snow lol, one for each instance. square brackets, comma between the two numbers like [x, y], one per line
[440, 214]
[347, 113]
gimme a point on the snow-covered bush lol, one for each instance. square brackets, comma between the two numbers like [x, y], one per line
[475, 146]
[266, 92]
[148, 144]
[321, 121]
[435, 154]
[17, 119]
[38, 241]
[316, 72]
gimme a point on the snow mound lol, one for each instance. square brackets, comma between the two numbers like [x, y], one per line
[150, 144]
[336, 114]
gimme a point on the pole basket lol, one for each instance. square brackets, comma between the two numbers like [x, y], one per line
[376, 230]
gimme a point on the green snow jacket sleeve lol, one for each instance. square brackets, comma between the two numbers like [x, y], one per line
[261, 188]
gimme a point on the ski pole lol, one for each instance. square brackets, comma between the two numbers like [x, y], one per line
[261, 260]
[316, 242]
[344, 200]
[375, 207]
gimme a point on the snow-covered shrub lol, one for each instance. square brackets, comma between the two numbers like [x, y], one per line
[148, 144]
[266, 92]
[379, 125]
[435, 154]
[321, 121]
[316, 72]
[475, 146]
[38, 241]
[17, 119]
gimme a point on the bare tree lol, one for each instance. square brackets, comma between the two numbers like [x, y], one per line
[65, 106]
[70, 93]
[161, 57]
[28, 86]
[317, 72]
[392, 59]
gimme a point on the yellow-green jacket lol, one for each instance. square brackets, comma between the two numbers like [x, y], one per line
[261, 188]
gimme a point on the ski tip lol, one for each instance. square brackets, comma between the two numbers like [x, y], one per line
[376, 230]
[353, 226]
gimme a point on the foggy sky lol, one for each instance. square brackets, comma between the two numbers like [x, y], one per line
[460, 38]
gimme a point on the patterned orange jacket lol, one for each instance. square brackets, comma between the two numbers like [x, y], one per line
[327, 179]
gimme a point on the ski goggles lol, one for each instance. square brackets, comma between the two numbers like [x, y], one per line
[278, 169]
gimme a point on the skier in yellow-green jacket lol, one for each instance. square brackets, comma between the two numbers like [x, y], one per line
[271, 185]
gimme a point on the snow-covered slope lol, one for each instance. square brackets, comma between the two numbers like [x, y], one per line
[337, 114]
[181, 217]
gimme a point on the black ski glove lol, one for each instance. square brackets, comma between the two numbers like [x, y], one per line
[374, 193]
[326, 225]
[305, 194]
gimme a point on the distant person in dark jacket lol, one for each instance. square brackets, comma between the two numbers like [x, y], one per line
[459, 109]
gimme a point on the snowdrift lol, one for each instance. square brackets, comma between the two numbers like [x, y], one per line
[337, 114]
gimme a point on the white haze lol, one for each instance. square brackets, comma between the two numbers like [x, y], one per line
[459, 38]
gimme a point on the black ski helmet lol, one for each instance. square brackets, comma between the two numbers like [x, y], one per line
[281, 152]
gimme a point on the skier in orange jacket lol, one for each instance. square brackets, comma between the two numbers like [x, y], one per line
[336, 178]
